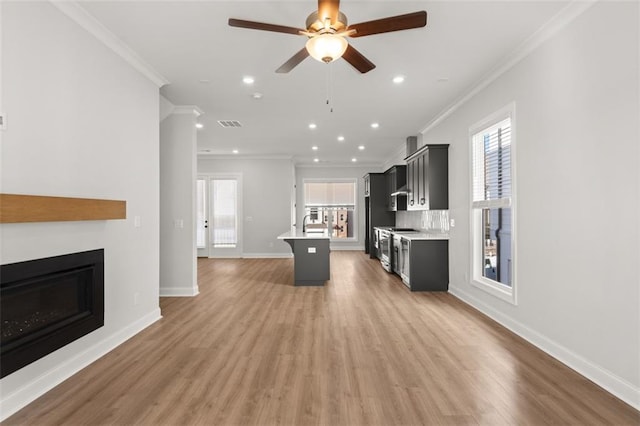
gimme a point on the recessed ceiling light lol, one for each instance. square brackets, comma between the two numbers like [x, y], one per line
[205, 81]
[315, 148]
[443, 79]
[312, 126]
[315, 160]
[248, 80]
[341, 138]
[361, 147]
[375, 125]
[235, 151]
[398, 79]
[353, 160]
[257, 95]
[199, 125]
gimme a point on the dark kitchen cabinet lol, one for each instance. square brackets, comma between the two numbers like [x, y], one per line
[396, 178]
[376, 213]
[425, 264]
[428, 178]
[367, 185]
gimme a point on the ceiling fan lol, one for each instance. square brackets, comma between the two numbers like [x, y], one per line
[327, 28]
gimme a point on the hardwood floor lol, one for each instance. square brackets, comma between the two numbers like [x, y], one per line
[363, 350]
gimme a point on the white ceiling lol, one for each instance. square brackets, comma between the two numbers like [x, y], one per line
[188, 42]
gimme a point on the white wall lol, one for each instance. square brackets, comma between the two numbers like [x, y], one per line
[577, 121]
[178, 275]
[266, 200]
[82, 123]
[314, 172]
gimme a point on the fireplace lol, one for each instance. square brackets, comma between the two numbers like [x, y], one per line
[47, 303]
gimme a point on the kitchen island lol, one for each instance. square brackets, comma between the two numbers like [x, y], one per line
[310, 255]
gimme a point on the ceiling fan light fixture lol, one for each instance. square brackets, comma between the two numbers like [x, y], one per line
[326, 47]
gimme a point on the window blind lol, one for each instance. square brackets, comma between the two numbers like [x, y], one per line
[329, 194]
[492, 166]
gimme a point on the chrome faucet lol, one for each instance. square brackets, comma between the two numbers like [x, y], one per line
[304, 223]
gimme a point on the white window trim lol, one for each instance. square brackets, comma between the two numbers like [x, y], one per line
[355, 205]
[501, 291]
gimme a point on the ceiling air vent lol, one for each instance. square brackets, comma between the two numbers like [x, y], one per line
[229, 123]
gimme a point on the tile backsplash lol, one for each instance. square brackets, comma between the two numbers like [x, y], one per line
[426, 220]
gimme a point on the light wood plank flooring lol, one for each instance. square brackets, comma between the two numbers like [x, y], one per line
[363, 350]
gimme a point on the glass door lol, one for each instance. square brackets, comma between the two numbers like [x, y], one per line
[224, 218]
[218, 215]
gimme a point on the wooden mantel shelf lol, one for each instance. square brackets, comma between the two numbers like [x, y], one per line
[37, 208]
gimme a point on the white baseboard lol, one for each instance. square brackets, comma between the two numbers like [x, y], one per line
[37, 387]
[613, 384]
[179, 292]
[267, 255]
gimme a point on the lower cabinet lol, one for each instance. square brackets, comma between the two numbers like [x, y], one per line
[423, 265]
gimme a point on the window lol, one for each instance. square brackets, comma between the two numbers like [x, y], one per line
[330, 205]
[492, 205]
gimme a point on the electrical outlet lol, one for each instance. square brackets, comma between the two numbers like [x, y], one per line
[137, 223]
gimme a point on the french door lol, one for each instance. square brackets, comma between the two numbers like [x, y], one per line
[219, 214]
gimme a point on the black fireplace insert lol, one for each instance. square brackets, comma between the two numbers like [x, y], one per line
[48, 303]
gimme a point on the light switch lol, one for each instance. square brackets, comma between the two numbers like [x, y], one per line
[311, 250]
[452, 222]
[137, 223]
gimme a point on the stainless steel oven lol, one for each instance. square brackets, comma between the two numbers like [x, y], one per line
[385, 244]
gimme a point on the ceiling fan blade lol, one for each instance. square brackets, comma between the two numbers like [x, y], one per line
[392, 23]
[252, 25]
[328, 8]
[357, 60]
[293, 62]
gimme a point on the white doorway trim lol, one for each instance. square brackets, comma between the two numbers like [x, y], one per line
[217, 252]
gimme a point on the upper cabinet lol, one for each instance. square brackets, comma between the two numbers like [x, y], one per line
[367, 185]
[396, 178]
[428, 178]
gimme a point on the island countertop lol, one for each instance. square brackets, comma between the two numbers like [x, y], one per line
[296, 234]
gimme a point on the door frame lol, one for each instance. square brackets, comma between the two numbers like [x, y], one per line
[210, 251]
[203, 251]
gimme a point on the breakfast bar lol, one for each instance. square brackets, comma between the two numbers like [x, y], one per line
[311, 256]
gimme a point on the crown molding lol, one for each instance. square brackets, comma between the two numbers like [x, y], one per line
[187, 109]
[214, 156]
[548, 30]
[87, 21]
[336, 165]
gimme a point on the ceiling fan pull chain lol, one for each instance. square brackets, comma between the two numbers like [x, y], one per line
[329, 87]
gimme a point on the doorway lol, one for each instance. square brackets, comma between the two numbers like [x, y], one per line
[218, 215]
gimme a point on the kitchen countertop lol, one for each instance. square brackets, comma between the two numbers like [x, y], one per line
[422, 235]
[296, 234]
